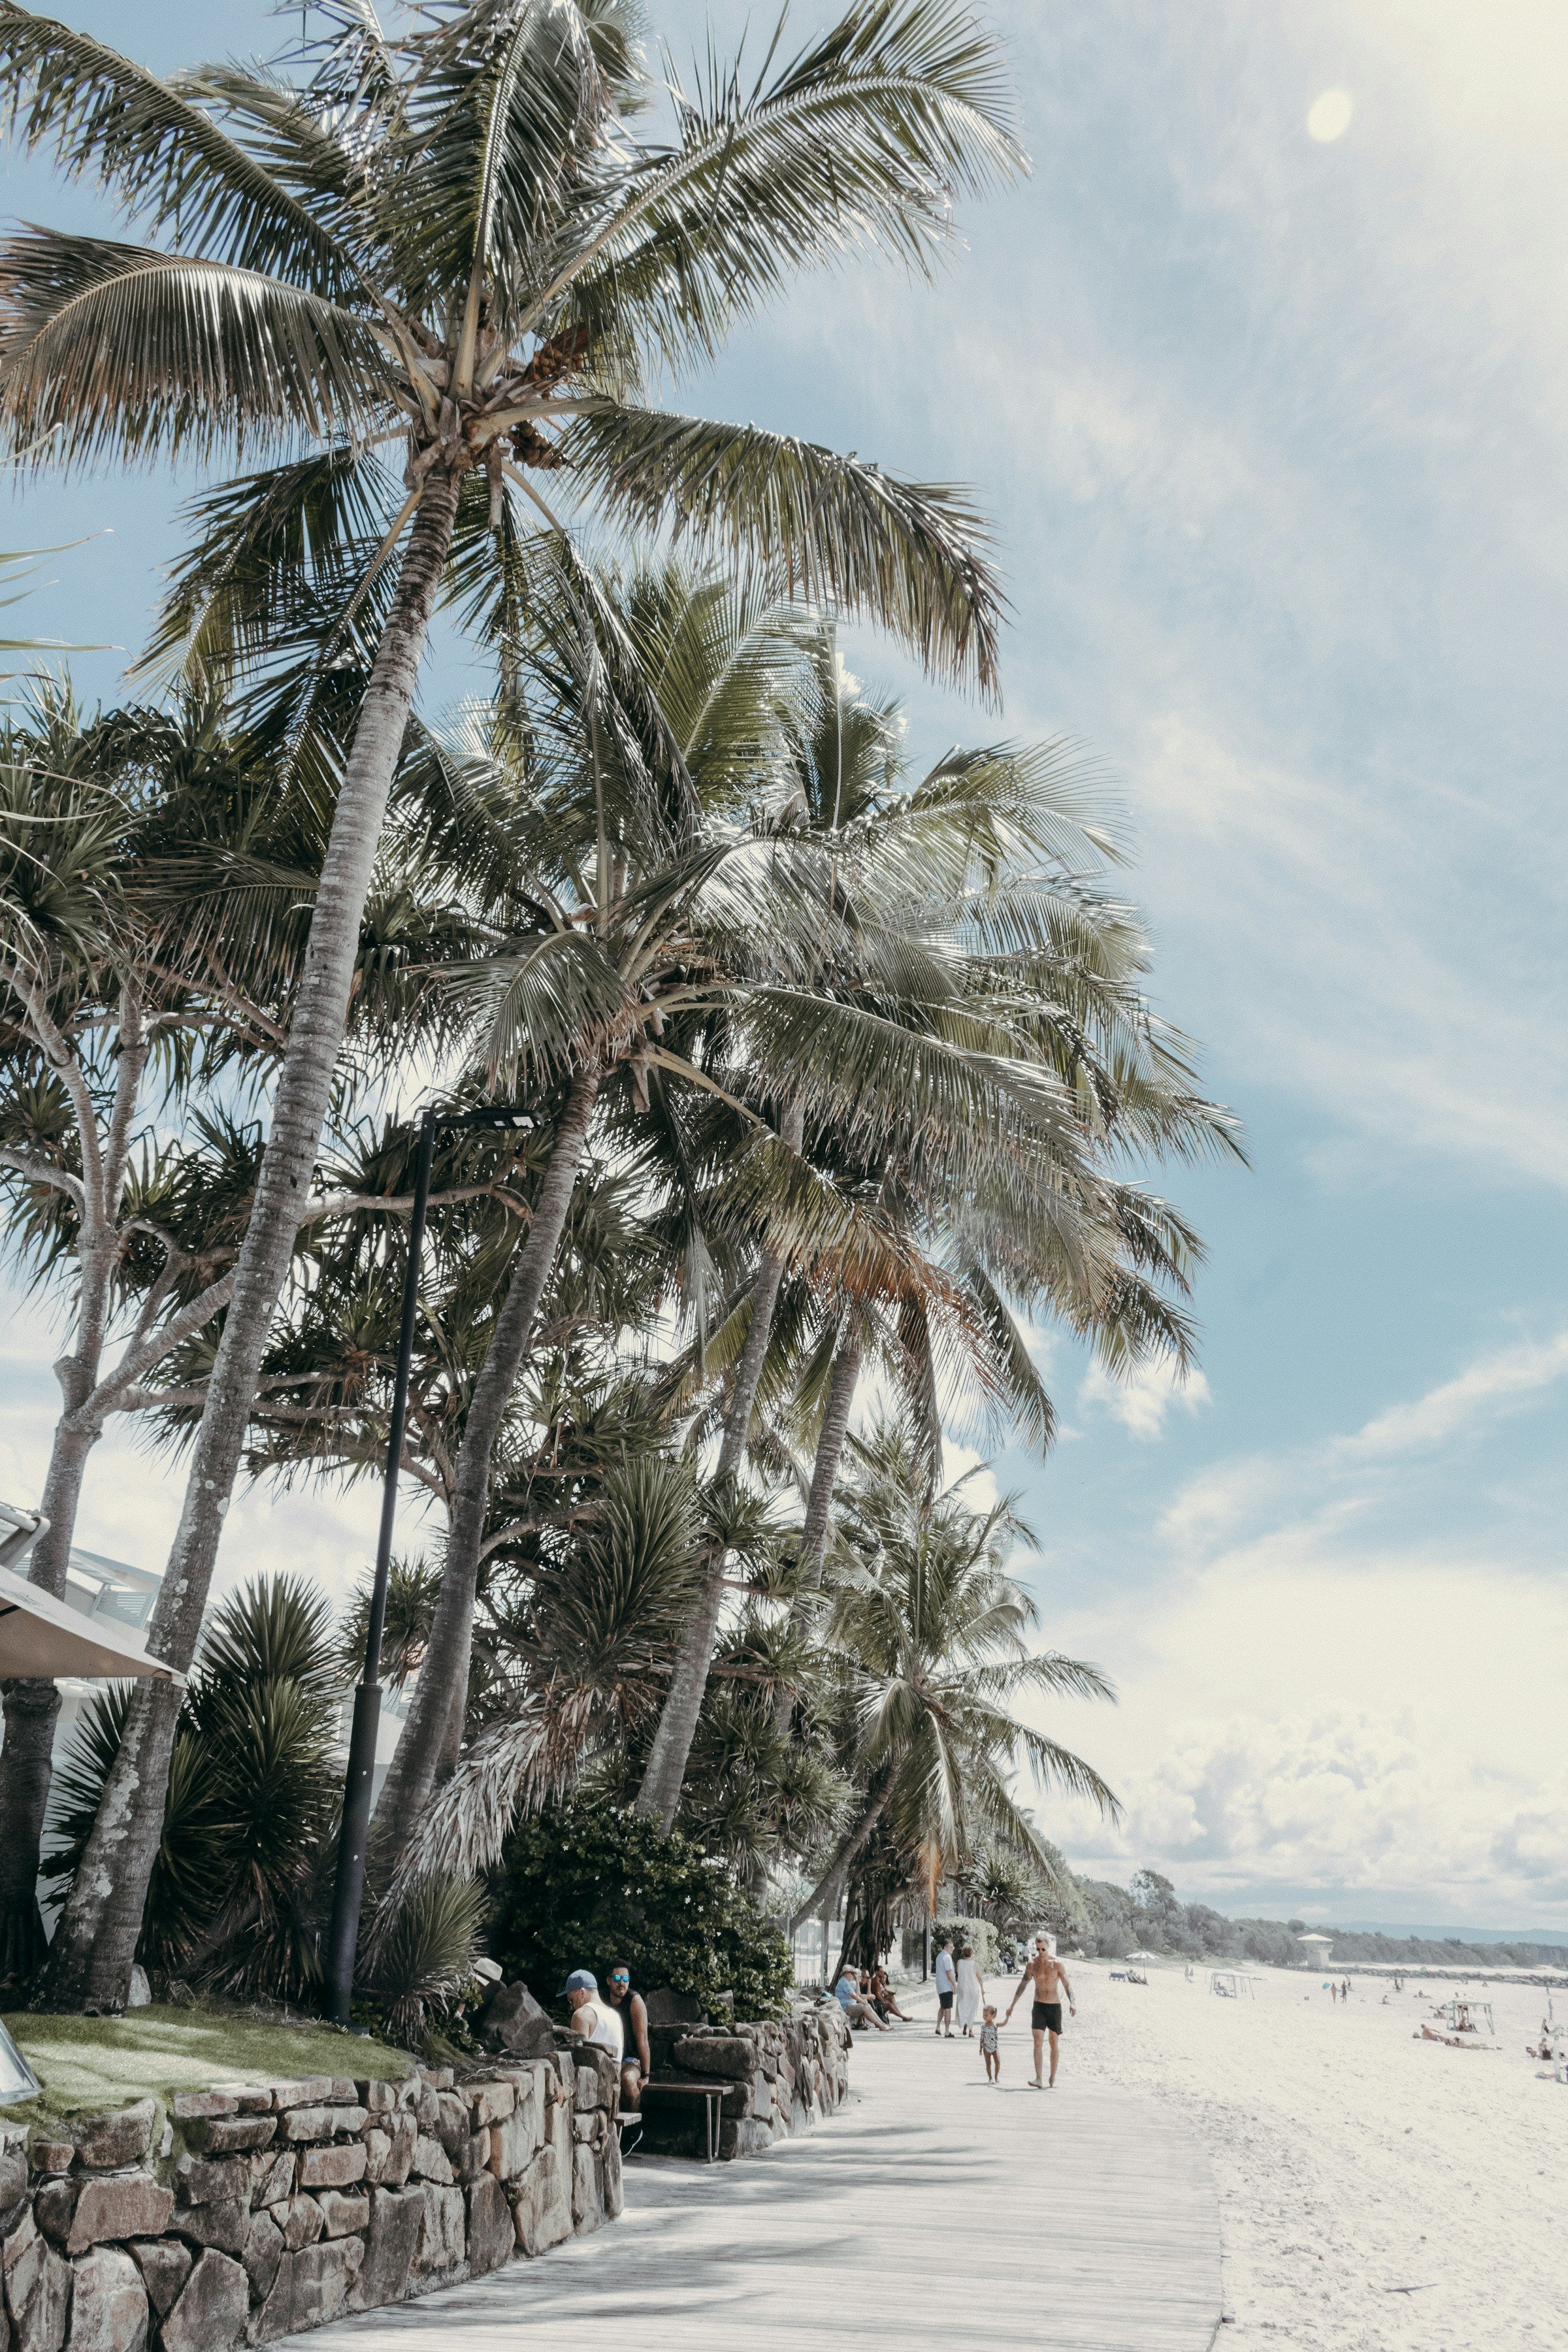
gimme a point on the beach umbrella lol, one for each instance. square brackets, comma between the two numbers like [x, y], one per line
[18, 2080]
[47, 1638]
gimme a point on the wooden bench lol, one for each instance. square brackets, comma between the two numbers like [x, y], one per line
[679, 2095]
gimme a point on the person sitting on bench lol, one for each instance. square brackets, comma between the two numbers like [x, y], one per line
[636, 2064]
[858, 2011]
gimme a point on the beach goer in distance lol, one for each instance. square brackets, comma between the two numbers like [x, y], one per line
[990, 2045]
[859, 2011]
[1045, 1974]
[637, 2062]
[947, 1976]
[971, 1991]
[592, 2015]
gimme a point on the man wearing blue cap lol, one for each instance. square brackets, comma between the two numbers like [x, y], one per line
[592, 2016]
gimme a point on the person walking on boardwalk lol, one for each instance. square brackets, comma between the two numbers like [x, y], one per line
[1045, 1974]
[971, 1991]
[947, 1976]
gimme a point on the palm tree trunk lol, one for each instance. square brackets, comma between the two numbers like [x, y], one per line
[829, 1454]
[95, 1945]
[824, 1478]
[666, 1770]
[31, 1710]
[830, 1884]
[31, 1707]
[427, 1749]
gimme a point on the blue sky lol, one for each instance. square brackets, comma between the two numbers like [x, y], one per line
[1273, 430]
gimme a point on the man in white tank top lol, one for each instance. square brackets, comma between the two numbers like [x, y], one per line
[593, 2017]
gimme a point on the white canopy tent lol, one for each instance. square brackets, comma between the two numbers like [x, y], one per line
[47, 1638]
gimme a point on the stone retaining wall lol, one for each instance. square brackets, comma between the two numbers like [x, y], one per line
[267, 2209]
[778, 2078]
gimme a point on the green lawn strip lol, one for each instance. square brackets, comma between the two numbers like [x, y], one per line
[88, 2064]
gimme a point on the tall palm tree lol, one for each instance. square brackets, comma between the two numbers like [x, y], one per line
[641, 892]
[933, 1636]
[135, 1026]
[453, 240]
[981, 939]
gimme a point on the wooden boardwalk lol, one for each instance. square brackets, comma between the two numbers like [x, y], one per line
[1078, 2221]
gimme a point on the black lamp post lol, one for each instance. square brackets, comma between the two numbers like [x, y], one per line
[347, 1891]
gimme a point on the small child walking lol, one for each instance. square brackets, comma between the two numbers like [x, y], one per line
[990, 2048]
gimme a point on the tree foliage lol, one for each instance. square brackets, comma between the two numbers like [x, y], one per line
[587, 1885]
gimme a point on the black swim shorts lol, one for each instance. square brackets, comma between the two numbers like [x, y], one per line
[1046, 2017]
[944, 2001]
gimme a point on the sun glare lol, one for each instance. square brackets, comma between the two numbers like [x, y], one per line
[1329, 116]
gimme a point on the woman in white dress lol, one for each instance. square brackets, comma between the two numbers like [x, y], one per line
[970, 1990]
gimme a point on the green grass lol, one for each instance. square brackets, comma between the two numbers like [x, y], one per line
[88, 2064]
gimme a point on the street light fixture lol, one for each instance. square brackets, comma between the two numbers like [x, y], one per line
[348, 1890]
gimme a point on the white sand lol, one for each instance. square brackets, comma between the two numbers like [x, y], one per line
[1351, 2160]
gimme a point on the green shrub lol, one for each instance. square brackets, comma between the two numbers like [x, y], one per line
[582, 1887]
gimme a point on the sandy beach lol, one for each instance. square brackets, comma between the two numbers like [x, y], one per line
[1352, 2162]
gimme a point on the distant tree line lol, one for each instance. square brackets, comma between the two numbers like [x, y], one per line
[1148, 1915]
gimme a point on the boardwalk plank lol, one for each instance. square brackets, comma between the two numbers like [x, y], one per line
[1080, 2220]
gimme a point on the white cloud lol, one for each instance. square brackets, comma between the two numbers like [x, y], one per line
[1354, 1800]
[1316, 1696]
[1293, 1719]
[981, 1489]
[1210, 1509]
[1509, 1377]
[1141, 1400]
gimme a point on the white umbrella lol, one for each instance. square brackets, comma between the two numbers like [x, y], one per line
[47, 1638]
[18, 2080]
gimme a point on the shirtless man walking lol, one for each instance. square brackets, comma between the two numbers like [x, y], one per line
[1046, 1974]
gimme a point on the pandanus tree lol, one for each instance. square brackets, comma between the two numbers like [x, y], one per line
[454, 241]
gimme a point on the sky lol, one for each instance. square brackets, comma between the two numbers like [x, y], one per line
[1259, 373]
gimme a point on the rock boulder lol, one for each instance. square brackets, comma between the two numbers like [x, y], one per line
[105, 2142]
[511, 2020]
[109, 2302]
[165, 2265]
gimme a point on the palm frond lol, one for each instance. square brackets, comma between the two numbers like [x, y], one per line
[823, 529]
[861, 141]
[158, 149]
[205, 354]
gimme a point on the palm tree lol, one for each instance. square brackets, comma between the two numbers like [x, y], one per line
[676, 934]
[123, 1007]
[455, 241]
[932, 1633]
[979, 940]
